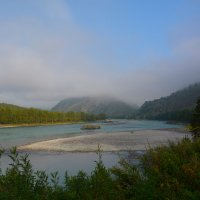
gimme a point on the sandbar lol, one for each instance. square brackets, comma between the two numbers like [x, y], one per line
[109, 142]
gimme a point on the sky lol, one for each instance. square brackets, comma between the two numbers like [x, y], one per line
[133, 50]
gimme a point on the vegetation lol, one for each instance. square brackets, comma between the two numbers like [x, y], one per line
[167, 172]
[90, 127]
[11, 114]
[178, 106]
[195, 122]
[176, 116]
[112, 107]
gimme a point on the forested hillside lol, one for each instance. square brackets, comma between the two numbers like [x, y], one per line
[178, 106]
[96, 105]
[11, 114]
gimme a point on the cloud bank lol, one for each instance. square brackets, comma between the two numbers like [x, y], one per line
[43, 63]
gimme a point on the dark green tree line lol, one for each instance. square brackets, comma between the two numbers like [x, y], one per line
[195, 122]
[10, 114]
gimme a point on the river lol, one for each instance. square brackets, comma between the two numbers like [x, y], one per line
[62, 161]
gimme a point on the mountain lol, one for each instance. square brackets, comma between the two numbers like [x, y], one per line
[178, 106]
[96, 105]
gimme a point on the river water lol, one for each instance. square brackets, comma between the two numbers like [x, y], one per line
[72, 162]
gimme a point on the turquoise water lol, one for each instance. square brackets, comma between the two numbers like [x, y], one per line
[72, 162]
[23, 135]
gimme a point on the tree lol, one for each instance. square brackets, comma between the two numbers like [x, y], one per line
[195, 122]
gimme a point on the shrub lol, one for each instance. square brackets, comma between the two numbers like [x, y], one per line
[166, 172]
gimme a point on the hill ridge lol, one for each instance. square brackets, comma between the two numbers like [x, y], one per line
[96, 105]
[173, 106]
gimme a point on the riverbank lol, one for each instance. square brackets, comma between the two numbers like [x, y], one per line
[38, 124]
[109, 142]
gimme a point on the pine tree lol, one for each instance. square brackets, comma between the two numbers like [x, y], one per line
[195, 122]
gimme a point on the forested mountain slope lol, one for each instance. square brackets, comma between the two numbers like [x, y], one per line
[11, 114]
[178, 106]
[96, 105]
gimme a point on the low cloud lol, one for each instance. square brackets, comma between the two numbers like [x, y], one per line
[42, 64]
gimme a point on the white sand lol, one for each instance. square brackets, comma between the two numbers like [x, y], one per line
[122, 141]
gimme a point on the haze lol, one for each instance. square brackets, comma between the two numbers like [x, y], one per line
[132, 50]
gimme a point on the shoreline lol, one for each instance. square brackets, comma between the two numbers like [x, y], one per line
[109, 142]
[37, 125]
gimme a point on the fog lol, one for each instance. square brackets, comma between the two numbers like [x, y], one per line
[43, 63]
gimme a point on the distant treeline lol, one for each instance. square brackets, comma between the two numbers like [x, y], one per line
[176, 107]
[179, 116]
[11, 114]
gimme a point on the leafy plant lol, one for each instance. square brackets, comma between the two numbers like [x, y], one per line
[166, 172]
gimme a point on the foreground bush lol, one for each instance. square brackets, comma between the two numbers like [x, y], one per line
[167, 172]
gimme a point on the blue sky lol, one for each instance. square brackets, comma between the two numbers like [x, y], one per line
[134, 50]
[141, 26]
